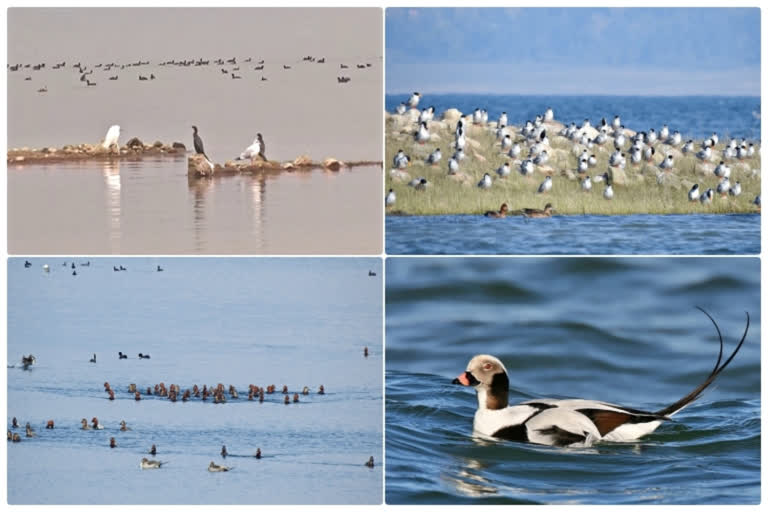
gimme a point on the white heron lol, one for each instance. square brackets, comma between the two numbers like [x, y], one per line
[112, 135]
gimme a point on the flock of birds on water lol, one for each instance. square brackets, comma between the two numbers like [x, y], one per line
[173, 393]
[534, 136]
[229, 68]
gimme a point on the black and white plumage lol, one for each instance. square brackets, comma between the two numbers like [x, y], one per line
[434, 157]
[567, 422]
[254, 150]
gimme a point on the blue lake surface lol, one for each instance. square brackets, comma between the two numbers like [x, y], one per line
[614, 329]
[574, 234]
[295, 322]
[693, 116]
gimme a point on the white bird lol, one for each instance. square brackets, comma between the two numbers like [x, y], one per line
[741, 152]
[706, 198]
[434, 157]
[477, 116]
[663, 133]
[636, 156]
[461, 140]
[751, 150]
[549, 114]
[541, 158]
[608, 192]
[688, 147]
[503, 119]
[515, 150]
[419, 183]
[401, 160]
[715, 138]
[546, 185]
[675, 139]
[704, 154]
[253, 150]
[504, 170]
[722, 170]
[668, 162]
[615, 159]
[693, 194]
[723, 186]
[735, 189]
[391, 198]
[526, 167]
[586, 184]
[592, 160]
[401, 108]
[427, 114]
[616, 122]
[453, 166]
[648, 153]
[583, 165]
[113, 134]
[413, 102]
[485, 182]
[151, 464]
[459, 155]
[506, 143]
[422, 134]
[652, 137]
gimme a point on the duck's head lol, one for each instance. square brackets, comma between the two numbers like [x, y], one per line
[488, 376]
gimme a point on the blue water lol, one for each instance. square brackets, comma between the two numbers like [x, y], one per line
[576, 234]
[619, 330]
[694, 116]
[298, 322]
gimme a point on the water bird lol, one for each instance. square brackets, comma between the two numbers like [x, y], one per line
[236, 77]
[502, 213]
[224, 451]
[422, 134]
[485, 182]
[668, 162]
[735, 189]
[159, 268]
[28, 431]
[27, 361]
[153, 450]
[112, 442]
[370, 462]
[151, 464]
[84, 424]
[143, 356]
[112, 136]
[546, 185]
[258, 453]
[506, 143]
[49, 425]
[504, 170]
[258, 148]
[14, 423]
[608, 191]
[286, 67]
[453, 165]
[434, 157]
[321, 390]
[723, 187]
[74, 272]
[95, 424]
[705, 154]
[539, 214]
[707, 197]
[586, 184]
[419, 183]
[113, 77]
[401, 160]
[215, 468]
[400, 109]
[566, 422]
[526, 167]
[124, 426]
[693, 194]
[390, 199]
[120, 355]
[43, 89]
[27, 264]
[756, 201]
[93, 359]
[89, 83]
[413, 101]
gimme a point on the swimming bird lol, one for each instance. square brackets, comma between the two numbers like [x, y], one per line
[14, 423]
[113, 134]
[370, 462]
[434, 157]
[159, 268]
[43, 89]
[153, 450]
[538, 214]
[693, 194]
[254, 150]
[27, 361]
[151, 464]
[124, 426]
[84, 424]
[112, 442]
[586, 184]
[258, 453]
[499, 214]
[390, 199]
[28, 430]
[215, 468]
[95, 424]
[546, 185]
[120, 355]
[413, 101]
[27, 264]
[565, 422]
[93, 359]
[224, 451]
[485, 182]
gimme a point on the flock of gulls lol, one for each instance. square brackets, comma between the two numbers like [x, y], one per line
[229, 68]
[530, 149]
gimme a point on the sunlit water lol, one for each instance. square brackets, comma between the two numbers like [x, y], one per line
[693, 116]
[236, 321]
[623, 331]
[152, 207]
[577, 234]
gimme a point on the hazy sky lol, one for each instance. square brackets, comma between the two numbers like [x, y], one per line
[574, 51]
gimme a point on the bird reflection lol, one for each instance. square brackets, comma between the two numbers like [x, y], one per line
[111, 172]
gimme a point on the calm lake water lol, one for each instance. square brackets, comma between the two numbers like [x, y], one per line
[298, 322]
[582, 234]
[694, 116]
[148, 207]
[558, 328]
[151, 207]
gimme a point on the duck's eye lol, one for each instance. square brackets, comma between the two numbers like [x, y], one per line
[488, 366]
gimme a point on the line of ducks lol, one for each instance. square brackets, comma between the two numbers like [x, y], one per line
[119, 268]
[534, 135]
[218, 393]
[145, 462]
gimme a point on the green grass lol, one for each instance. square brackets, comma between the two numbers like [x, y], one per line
[640, 194]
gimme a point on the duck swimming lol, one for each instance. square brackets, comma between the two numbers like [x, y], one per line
[215, 468]
[370, 462]
[151, 464]
[96, 425]
[499, 214]
[566, 422]
[538, 214]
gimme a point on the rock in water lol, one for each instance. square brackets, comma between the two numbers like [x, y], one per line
[197, 165]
